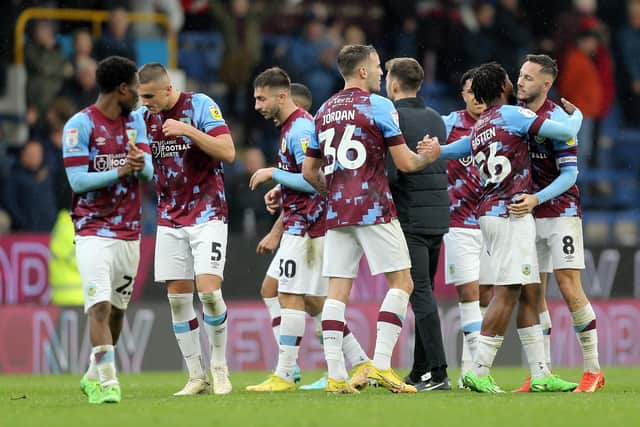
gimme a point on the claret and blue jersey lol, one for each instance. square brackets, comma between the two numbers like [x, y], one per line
[94, 147]
[355, 129]
[189, 183]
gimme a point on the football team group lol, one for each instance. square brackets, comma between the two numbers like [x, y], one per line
[514, 217]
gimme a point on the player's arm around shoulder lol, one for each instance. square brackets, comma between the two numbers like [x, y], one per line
[209, 130]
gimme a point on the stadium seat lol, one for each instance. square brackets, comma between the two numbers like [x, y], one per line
[200, 54]
[597, 227]
[626, 228]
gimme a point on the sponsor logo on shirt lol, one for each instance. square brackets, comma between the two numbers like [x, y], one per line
[106, 162]
[171, 148]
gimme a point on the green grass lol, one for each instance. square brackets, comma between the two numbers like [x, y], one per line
[57, 401]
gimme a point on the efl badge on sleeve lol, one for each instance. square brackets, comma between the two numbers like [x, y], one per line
[283, 145]
[571, 142]
[395, 117]
[304, 142]
[71, 138]
[215, 112]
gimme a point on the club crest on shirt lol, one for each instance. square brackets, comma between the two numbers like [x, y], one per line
[539, 139]
[304, 142]
[215, 112]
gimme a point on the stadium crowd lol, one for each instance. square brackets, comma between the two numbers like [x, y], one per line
[224, 44]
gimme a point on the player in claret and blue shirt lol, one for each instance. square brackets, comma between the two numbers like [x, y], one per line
[105, 154]
[499, 148]
[298, 262]
[355, 129]
[559, 242]
[189, 140]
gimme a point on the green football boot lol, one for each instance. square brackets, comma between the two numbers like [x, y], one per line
[483, 384]
[551, 383]
[111, 394]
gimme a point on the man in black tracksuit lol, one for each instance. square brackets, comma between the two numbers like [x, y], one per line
[422, 203]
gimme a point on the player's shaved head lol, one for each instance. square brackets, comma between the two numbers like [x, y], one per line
[352, 57]
[153, 72]
[301, 96]
[274, 77]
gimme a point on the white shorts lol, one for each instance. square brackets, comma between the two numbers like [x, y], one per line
[186, 252]
[384, 245]
[298, 266]
[462, 248]
[509, 253]
[108, 268]
[559, 244]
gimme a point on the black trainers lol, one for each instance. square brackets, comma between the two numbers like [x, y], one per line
[433, 385]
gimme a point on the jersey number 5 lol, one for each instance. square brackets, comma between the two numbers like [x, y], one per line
[345, 144]
[497, 167]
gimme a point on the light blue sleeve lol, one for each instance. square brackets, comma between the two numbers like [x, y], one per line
[457, 149]
[562, 183]
[563, 131]
[207, 116]
[450, 121]
[385, 116]
[75, 139]
[295, 181]
[299, 138]
[75, 152]
[517, 119]
[142, 141]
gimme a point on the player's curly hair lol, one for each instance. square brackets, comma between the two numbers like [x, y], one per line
[488, 82]
[113, 71]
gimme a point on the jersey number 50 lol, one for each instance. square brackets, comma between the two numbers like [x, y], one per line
[345, 144]
[497, 167]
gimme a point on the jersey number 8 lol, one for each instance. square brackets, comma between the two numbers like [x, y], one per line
[346, 144]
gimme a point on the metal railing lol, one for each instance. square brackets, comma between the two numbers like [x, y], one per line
[97, 18]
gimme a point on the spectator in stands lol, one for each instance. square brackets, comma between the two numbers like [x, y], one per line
[45, 65]
[60, 110]
[117, 39]
[480, 45]
[82, 46]
[629, 51]
[580, 82]
[246, 207]
[171, 8]
[240, 25]
[30, 194]
[512, 36]
[82, 89]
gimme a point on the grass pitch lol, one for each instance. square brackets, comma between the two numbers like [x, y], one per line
[147, 401]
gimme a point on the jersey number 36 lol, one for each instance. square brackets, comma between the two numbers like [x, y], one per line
[358, 152]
